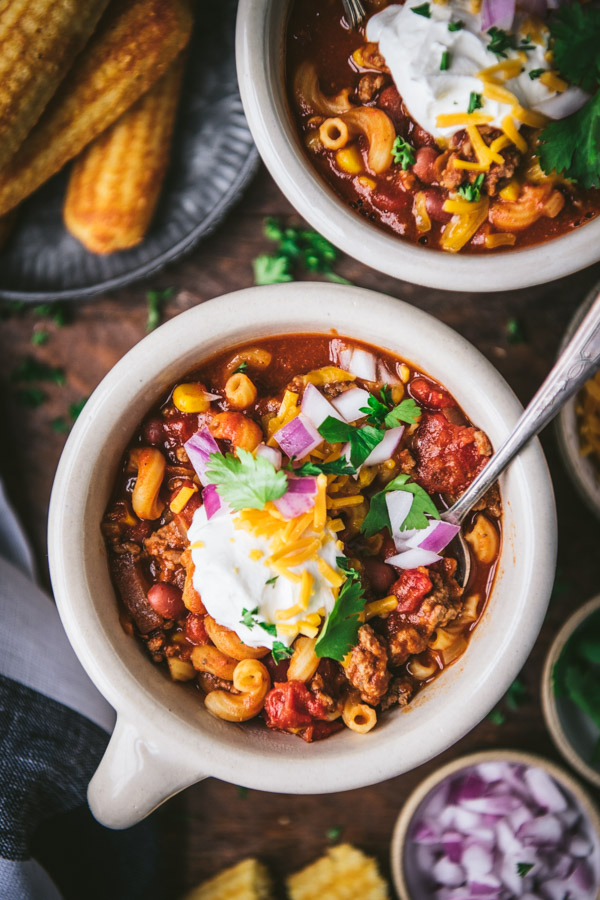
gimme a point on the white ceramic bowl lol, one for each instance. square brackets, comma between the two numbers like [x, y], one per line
[260, 53]
[164, 738]
[402, 861]
[572, 731]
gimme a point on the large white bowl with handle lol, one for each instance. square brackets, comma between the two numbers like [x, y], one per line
[260, 55]
[165, 739]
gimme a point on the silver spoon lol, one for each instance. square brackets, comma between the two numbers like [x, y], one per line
[355, 13]
[575, 365]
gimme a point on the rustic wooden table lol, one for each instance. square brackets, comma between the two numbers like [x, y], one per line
[214, 824]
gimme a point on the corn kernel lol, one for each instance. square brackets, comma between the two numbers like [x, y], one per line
[190, 398]
[349, 160]
[404, 373]
[180, 670]
[511, 191]
[366, 182]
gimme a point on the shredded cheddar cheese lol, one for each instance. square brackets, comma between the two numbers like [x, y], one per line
[180, 500]
[449, 120]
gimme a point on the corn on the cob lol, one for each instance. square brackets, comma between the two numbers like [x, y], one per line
[249, 880]
[39, 39]
[116, 182]
[344, 872]
[7, 223]
[133, 46]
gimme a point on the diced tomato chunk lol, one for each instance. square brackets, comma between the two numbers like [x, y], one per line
[318, 731]
[194, 630]
[410, 589]
[430, 395]
[448, 456]
[289, 704]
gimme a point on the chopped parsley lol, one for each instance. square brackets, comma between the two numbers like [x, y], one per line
[471, 191]
[402, 151]
[59, 425]
[31, 397]
[535, 73]
[475, 102]
[423, 10]
[516, 695]
[497, 717]
[362, 440]
[245, 481]
[248, 617]
[500, 41]
[241, 368]
[445, 61]
[422, 506]
[576, 673]
[297, 249]
[39, 337]
[272, 581]
[56, 312]
[280, 652]
[523, 868]
[31, 369]
[340, 631]
[346, 566]
[155, 301]
[456, 26]
[76, 408]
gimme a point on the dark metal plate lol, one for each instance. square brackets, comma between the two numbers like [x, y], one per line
[212, 159]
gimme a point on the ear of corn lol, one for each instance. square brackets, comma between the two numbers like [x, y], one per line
[115, 183]
[249, 880]
[344, 872]
[39, 41]
[133, 47]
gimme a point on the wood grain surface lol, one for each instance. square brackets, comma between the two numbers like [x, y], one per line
[213, 824]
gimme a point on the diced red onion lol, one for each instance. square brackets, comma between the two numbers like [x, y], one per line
[562, 105]
[298, 437]
[398, 506]
[435, 537]
[363, 364]
[384, 375]
[385, 448]
[272, 454]
[478, 836]
[211, 500]
[299, 497]
[349, 403]
[497, 12]
[412, 559]
[199, 448]
[316, 407]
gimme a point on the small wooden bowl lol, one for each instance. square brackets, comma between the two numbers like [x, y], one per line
[572, 731]
[422, 791]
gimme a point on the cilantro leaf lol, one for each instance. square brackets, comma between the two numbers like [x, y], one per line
[376, 410]
[402, 151]
[572, 145]
[340, 631]
[155, 301]
[268, 627]
[378, 516]
[475, 101]
[362, 443]
[456, 26]
[576, 32]
[245, 481]
[471, 191]
[280, 652]
[270, 269]
[241, 368]
[382, 413]
[339, 466]
[345, 565]
[407, 411]
[334, 431]
[523, 868]
[535, 73]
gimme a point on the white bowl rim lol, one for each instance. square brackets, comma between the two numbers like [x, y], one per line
[268, 117]
[425, 787]
[284, 309]
[549, 707]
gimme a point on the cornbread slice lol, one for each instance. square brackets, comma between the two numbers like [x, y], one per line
[249, 880]
[343, 874]
[39, 41]
[134, 44]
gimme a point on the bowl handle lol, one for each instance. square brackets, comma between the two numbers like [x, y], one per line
[135, 776]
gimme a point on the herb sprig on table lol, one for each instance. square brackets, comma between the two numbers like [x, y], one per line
[571, 146]
[299, 250]
[576, 674]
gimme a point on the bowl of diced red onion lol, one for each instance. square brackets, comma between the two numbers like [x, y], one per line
[495, 826]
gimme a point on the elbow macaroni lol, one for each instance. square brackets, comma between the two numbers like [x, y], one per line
[150, 465]
[240, 391]
[229, 643]
[251, 679]
[304, 662]
[357, 716]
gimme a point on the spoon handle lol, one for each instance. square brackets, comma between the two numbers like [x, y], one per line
[578, 361]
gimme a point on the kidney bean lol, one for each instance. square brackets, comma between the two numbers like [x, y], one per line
[391, 198]
[390, 102]
[421, 138]
[380, 575]
[194, 629]
[181, 428]
[434, 203]
[165, 599]
[152, 431]
[424, 164]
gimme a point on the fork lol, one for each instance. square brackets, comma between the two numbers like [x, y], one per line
[355, 12]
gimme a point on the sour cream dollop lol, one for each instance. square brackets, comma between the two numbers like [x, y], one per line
[230, 579]
[413, 47]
